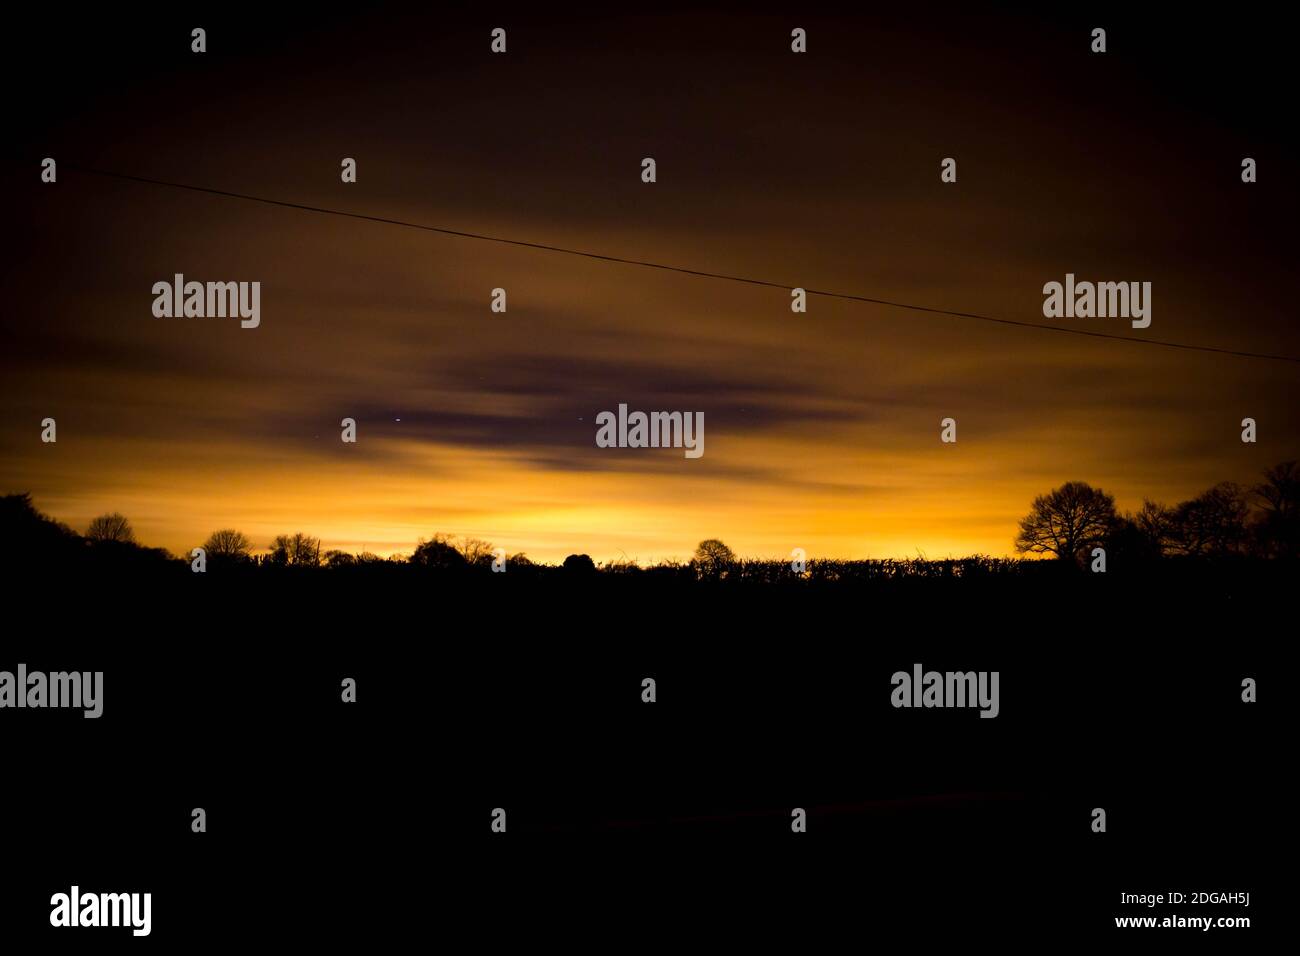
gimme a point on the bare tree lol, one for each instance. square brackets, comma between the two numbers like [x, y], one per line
[298, 550]
[1212, 524]
[1278, 527]
[111, 527]
[228, 544]
[1155, 523]
[477, 552]
[280, 549]
[712, 558]
[1066, 521]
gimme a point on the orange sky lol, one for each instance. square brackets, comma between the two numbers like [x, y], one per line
[821, 430]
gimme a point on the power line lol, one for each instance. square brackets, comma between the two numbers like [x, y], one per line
[543, 247]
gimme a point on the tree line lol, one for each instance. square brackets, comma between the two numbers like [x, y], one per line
[1227, 521]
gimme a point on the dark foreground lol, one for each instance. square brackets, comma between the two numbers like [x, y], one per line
[371, 821]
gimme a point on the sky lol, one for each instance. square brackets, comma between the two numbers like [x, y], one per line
[820, 170]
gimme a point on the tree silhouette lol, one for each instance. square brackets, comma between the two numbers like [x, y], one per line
[1066, 521]
[712, 558]
[111, 527]
[437, 553]
[1155, 523]
[28, 537]
[297, 550]
[1278, 527]
[579, 564]
[476, 552]
[228, 544]
[1213, 524]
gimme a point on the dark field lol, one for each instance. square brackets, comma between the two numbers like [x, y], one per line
[523, 691]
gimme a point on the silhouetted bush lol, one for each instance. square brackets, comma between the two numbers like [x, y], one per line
[438, 554]
[579, 564]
